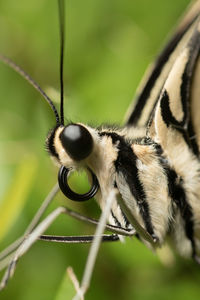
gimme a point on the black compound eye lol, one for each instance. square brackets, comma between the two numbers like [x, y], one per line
[77, 141]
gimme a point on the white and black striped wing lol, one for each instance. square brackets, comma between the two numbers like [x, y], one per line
[163, 193]
[144, 103]
[175, 126]
[178, 107]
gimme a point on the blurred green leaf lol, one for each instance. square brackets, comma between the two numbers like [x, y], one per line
[17, 194]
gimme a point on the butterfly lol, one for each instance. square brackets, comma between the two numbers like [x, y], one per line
[149, 168]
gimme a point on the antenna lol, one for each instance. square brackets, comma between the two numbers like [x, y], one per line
[26, 76]
[61, 8]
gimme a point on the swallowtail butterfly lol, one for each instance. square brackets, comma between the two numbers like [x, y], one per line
[149, 167]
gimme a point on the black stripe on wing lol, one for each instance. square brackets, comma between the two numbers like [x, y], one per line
[177, 194]
[184, 126]
[142, 99]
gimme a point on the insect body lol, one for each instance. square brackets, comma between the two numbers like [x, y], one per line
[149, 166]
[152, 163]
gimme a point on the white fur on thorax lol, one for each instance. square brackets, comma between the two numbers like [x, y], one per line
[155, 185]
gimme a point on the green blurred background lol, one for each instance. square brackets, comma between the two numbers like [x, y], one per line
[109, 44]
